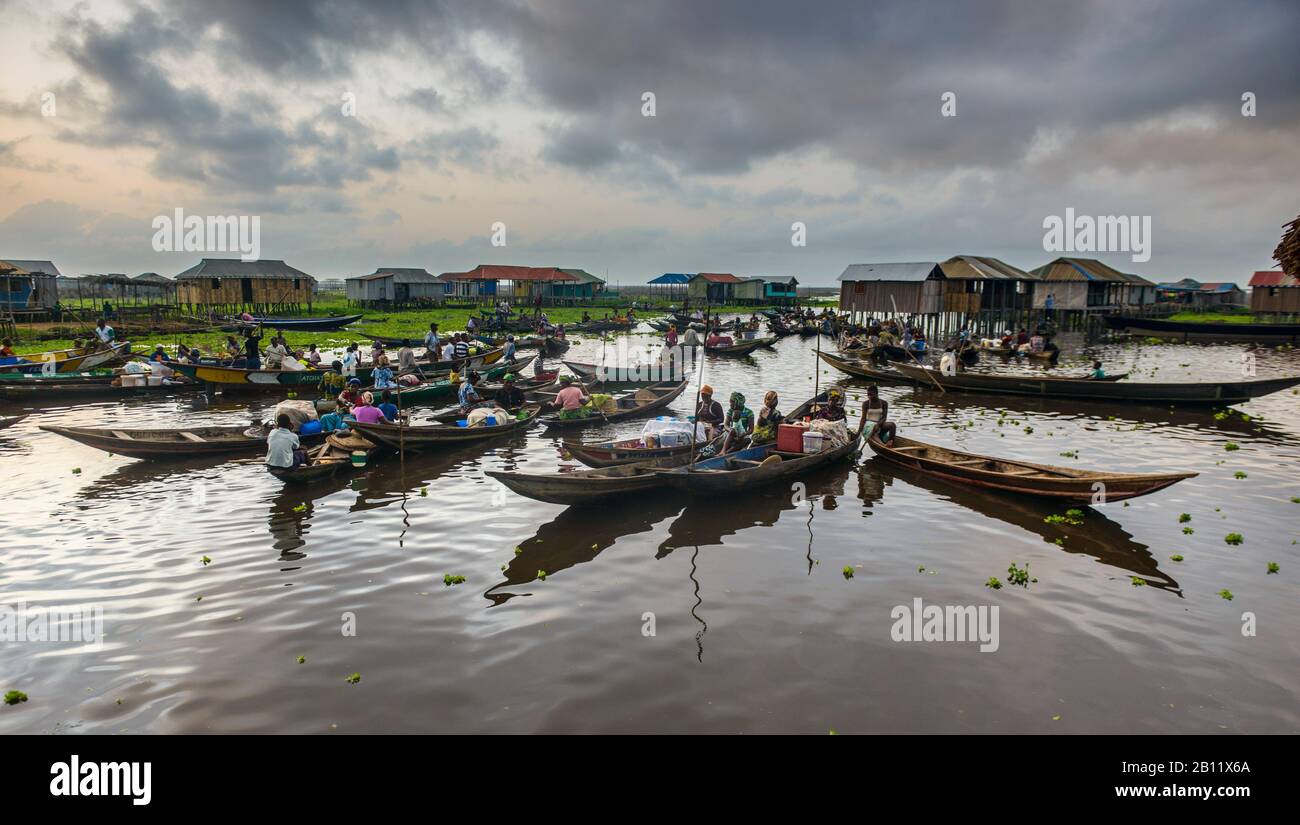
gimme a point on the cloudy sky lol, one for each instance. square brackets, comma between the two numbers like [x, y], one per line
[531, 114]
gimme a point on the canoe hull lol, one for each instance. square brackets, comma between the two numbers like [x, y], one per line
[586, 487]
[659, 403]
[1208, 331]
[712, 476]
[1019, 478]
[169, 444]
[420, 438]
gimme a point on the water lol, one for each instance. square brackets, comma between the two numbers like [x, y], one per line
[756, 629]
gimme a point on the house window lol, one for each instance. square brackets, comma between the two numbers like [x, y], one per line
[216, 283]
[297, 283]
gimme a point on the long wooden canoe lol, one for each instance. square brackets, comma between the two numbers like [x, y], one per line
[625, 451]
[62, 361]
[1206, 331]
[743, 348]
[1022, 477]
[174, 443]
[421, 437]
[8, 422]
[55, 388]
[326, 324]
[644, 400]
[1006, 352]
[754, 466]
[1209, 392]
[863, 369]
[250, 379]
[649, 373]
[589, 486]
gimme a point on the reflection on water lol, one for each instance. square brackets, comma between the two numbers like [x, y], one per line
[792, 644]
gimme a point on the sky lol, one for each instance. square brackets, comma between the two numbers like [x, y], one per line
[398, 133]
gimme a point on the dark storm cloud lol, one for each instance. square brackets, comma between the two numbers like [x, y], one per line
[738, 82]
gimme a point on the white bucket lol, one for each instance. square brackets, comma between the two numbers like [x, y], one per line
[813, 441]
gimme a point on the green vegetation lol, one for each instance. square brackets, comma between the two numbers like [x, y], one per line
[1226, 594]
[302, 660]
[448, 580]
[1239, 474]
[1017, 575]
[1187, 531]
[1231, 446]
[848, 572]
[1273, 567]
[13, 697]
[994, 583]
[205, 561]
[354, 678]
[1233, 539]
[541, 575]
[1137, 581]
[1183, 518]
[1176, 557]
[1072, 517]
[1219, 317]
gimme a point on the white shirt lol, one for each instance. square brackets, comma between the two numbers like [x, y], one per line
[448, 352]
[105, 334]
[280, 445]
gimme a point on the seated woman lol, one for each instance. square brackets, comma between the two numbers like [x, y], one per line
[834, 409]
[876, 411]
[351, 396]
[383, 374]
[739, 425]
[769, 418]
[367, 413]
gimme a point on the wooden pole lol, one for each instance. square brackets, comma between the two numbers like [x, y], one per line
[695, 425]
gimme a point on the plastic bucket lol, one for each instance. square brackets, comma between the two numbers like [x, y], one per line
[813, 441]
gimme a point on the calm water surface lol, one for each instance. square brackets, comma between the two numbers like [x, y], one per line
[756, 628]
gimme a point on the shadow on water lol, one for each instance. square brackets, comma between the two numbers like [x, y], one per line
[1099, 537]
[577, 535]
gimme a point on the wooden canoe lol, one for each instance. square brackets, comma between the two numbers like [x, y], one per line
[175, 443]
[326, 324]
[589, 486]
[6, 423]
[863, 369]
[625, 451]
[422, 437]
[1046, 355]
[63, 361]
[325, 461]
[754, 466]
[1209, 392]
[648, 373]
[1021, 477]
[38, 388]
[643, 400]
[1206, 331]
[743, 348]
[227, 377]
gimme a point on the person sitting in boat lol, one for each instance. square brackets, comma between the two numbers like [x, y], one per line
[510, 397]
[104, 333]
[670, 337]
[233, 350]
[510, 350]
[738, 424]
[690, 339]
[449, 350]
[383, 374]
[948, 362]
[1097, 372]
[769, 418]
[876, 411]
[6, 348]
[570, 398]
[559, 332]
[406, 358]
[387, 407]
[467, 394]
[919, 344]
[351, 395]
[376, 350]
[462, 345]
[276, 353]
[586, 317]
[283, 448]
[709, 412]
[367, 413]
[312, 356]
[159, 354]
[471, 325]
[833, 410]
[1022, 338]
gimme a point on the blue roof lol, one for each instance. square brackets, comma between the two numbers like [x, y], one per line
[671, 278]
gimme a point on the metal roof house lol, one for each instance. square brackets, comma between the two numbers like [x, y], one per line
[234, 285]
[1086, 284]
[1275, 292]
[760, 290]
[712, 288]
[913, 287]
[28, 284]
[522, 284]
[395, 286]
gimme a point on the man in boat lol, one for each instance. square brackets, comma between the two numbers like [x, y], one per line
[510, 350]
[462, 345]
[431, 347]
[406, 358]
[467, 394]
[510, 397]
[449, 350]
[252, 354]
[387, 407]
[570, 399]
[709, 412]
[876, 411]
[276, 353]
[104, 333]
[282, 445]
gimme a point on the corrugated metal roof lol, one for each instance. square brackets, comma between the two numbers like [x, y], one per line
[1079, 269]
[584, 276]
[37, 267]
[399, 274]
[235, 268]
[910, 271]
[1219, 286]
[152, 278]
[492, 272]
[718, 277]
[11, 269]
[671, 278]
[1278, 278]
[976, 267]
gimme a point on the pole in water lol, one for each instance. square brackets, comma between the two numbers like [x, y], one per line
[695, 425]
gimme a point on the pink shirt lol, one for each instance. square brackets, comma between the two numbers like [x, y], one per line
[570, 398]
[368, 415]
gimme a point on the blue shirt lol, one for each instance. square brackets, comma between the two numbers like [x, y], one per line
[468, 395]
[389, 410]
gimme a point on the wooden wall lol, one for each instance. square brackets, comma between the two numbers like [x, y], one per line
[1279, 299]
[267, 294]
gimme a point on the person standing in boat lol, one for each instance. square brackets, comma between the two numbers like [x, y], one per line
[283, 446]
[709, 412]
[432, 351]
[351, 360]
[252, 354]
[511, 349]
[670, 337]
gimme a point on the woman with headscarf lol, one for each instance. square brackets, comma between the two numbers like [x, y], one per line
[834, 409]
[769, 418]
[366, 412]
[709, 412]
[739, 424]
